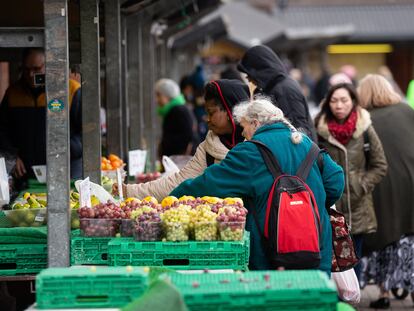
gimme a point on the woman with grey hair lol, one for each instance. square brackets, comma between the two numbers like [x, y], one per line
[179, 135]
[243, 173]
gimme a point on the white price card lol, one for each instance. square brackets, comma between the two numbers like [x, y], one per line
[136, 162]
[120, 183]
[85, 193]
[4, 183]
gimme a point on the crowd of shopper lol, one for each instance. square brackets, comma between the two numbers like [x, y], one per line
[357, 154]
[364, 169]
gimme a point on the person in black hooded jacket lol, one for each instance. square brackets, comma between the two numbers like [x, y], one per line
[265, 69]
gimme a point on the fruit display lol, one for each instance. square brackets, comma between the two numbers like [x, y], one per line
[29, 210]
[205, 224]
[102, 220]
[111, 163]
[183, 219]
[31, 200]
[231, 221]
[176, 223]
[143, 178]
[148, 227]
[107, 183]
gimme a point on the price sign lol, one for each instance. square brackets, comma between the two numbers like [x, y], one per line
[136, 162]
[85, 193]
[120, 183]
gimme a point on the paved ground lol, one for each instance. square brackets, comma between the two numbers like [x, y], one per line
[370, 293]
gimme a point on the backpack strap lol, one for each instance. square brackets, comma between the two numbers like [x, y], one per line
[306, 166]
[209, 159]
[270, 160]
[367, 149]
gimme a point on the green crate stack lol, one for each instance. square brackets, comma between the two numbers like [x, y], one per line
[22, 258]
[89, 250]
[89, 287]
[193, 255]
[257, 290]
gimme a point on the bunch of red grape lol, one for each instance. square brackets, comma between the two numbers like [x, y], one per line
[148, 227]
[231, 221]
[143, 178]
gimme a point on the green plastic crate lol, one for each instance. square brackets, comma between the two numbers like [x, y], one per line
[22, 258]
[191, 255]
[89, 250]
[89, 287]
[257, 290]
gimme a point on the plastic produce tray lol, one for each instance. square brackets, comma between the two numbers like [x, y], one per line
[22, 258]
[89, 250]
[258, 290]
[194, 255]
[89, 287]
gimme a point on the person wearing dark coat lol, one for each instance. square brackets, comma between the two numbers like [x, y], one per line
[390, 264]
[265, 69]
[179, 131]
[23, 119]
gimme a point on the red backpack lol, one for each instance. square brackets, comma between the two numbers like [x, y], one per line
[292, 230]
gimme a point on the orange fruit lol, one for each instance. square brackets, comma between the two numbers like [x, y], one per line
[112, 157]
[116, 164]
[109, 167]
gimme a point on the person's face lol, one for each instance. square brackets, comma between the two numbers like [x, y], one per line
[341, 104]
[75, 76]
[162, 100]
[249, 128]
[217, 119]
[188, 92]
[34, 64]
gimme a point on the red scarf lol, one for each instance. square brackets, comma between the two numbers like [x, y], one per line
[343, 132]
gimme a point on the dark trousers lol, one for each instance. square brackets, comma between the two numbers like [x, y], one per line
[358, 241]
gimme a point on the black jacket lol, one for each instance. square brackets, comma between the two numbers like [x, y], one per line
[177, 132]
[23, 124]
[263, 66]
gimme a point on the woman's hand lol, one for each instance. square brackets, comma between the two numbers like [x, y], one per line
[115, 190]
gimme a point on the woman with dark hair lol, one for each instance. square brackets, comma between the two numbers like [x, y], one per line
[220, 98]
[344, 128]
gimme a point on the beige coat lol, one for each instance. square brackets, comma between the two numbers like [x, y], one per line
[162, 187]
[360, 182]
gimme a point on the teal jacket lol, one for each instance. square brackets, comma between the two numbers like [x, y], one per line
[243, 173]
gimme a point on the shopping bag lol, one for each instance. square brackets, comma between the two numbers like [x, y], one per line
[169, 166]
[347, 286]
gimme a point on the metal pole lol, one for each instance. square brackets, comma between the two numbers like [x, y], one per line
[148, 71]
[113, 76]
[124, 99]
[58, 164]
[133, 81]
[91, 89]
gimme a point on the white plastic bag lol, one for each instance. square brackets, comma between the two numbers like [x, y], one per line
[169, 166]
[4, 184]
[347, 285]
[98, 191]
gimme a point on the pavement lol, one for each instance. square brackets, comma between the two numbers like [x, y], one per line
[371, 292]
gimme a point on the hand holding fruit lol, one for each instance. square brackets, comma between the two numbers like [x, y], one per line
[115, 190]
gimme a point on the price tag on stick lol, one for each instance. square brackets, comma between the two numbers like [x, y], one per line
[85, 193]
[136, 162]
[120, 184]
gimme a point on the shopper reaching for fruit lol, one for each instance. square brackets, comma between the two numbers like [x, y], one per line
[220, 96]
[244, 173]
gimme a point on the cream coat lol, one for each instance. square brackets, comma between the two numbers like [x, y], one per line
[162, 187]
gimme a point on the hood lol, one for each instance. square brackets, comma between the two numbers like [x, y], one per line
[232, 92]
[363, 123]
[215, 147]
[262, 65]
